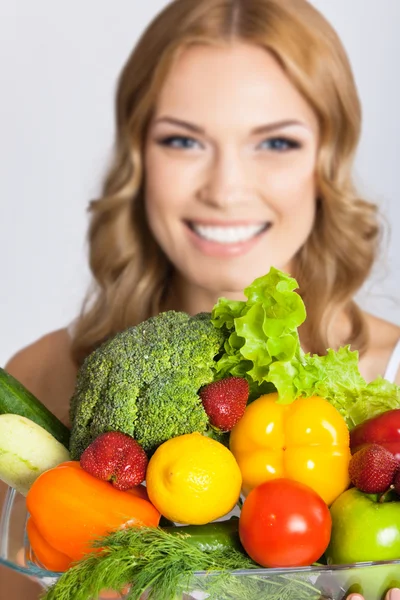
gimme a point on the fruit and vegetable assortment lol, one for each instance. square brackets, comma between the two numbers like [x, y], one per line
[180, 423]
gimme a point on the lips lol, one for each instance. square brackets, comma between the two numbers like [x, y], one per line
[228, 233]
[225, 240]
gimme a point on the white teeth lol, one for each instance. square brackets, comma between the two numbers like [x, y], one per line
[228, 235]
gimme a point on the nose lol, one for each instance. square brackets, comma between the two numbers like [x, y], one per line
[227, 182]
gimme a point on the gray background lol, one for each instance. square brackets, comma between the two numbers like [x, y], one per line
[58, 63]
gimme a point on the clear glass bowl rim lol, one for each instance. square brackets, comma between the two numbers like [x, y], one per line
[42, 574]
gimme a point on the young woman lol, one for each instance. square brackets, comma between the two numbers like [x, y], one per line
[237, 123]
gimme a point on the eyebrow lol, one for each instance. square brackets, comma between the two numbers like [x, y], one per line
[258, 130]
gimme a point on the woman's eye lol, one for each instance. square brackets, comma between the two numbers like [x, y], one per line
[179, 142]
[279, 144]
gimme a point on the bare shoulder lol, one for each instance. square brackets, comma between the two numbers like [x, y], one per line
[48, 370]
[383, 337]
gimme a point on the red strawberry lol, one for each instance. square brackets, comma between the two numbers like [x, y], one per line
[116, 457]
[372, 469]
[225, 401]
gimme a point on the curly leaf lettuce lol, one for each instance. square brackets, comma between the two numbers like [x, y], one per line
[373, 399]
[262, 330]
[263, 345]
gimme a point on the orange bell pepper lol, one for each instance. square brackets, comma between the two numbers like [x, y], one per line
[46, 554]
[307, 441]
[69, 508]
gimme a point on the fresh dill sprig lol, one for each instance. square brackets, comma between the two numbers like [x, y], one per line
[166, 566]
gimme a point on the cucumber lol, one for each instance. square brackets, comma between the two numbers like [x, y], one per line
[212, 536]
[16, 399]
[26, 451]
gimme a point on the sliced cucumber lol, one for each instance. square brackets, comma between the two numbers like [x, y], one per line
[26, 451]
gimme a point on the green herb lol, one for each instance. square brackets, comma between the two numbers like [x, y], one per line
[228, 586]
[167, 566]
[263, 345]
[148, 557]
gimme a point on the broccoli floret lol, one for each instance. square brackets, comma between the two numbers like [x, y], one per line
[144, 382]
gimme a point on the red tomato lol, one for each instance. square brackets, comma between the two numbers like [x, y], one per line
[284, 523]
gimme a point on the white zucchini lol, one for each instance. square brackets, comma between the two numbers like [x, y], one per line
[26, 451]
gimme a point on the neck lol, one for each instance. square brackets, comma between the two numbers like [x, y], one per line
[188, 297]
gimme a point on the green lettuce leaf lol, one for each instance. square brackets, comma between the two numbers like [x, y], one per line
[262, 344]
[373, 399]
[261, 332]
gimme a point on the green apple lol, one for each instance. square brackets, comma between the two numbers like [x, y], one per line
[363, 529]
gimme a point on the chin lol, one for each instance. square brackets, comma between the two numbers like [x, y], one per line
[230, 281]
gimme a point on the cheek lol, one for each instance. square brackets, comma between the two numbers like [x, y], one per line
[166, 191]
[160, 194]
[291, 194]
[293, 186]
[168, 185]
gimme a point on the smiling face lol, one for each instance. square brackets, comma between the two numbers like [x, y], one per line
[230, 168]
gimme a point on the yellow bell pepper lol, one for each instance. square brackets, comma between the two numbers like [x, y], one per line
[307, 441]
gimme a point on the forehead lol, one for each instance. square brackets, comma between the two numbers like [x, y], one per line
[211, 84]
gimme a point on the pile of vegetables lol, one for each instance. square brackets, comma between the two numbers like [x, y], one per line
[237, 376]
[145, 381]
[262, 344]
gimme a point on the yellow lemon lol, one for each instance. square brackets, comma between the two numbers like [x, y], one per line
[193, 479]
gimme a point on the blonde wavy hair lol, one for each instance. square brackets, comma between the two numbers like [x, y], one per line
[131, 273]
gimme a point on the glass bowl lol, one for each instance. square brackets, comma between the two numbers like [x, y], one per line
[304, 583]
